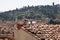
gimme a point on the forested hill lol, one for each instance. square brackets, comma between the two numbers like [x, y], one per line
[40, 12]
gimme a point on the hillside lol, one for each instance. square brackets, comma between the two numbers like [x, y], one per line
[41, 12]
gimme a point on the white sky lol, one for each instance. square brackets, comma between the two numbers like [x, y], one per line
[6, 5]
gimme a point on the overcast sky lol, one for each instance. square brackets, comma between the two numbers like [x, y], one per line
[6, 5]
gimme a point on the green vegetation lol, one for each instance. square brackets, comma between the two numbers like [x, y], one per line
[44, 13]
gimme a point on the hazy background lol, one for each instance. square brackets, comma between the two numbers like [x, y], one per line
[6, 5]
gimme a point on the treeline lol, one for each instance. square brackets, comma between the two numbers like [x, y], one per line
[54, 22]
[41, 12]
